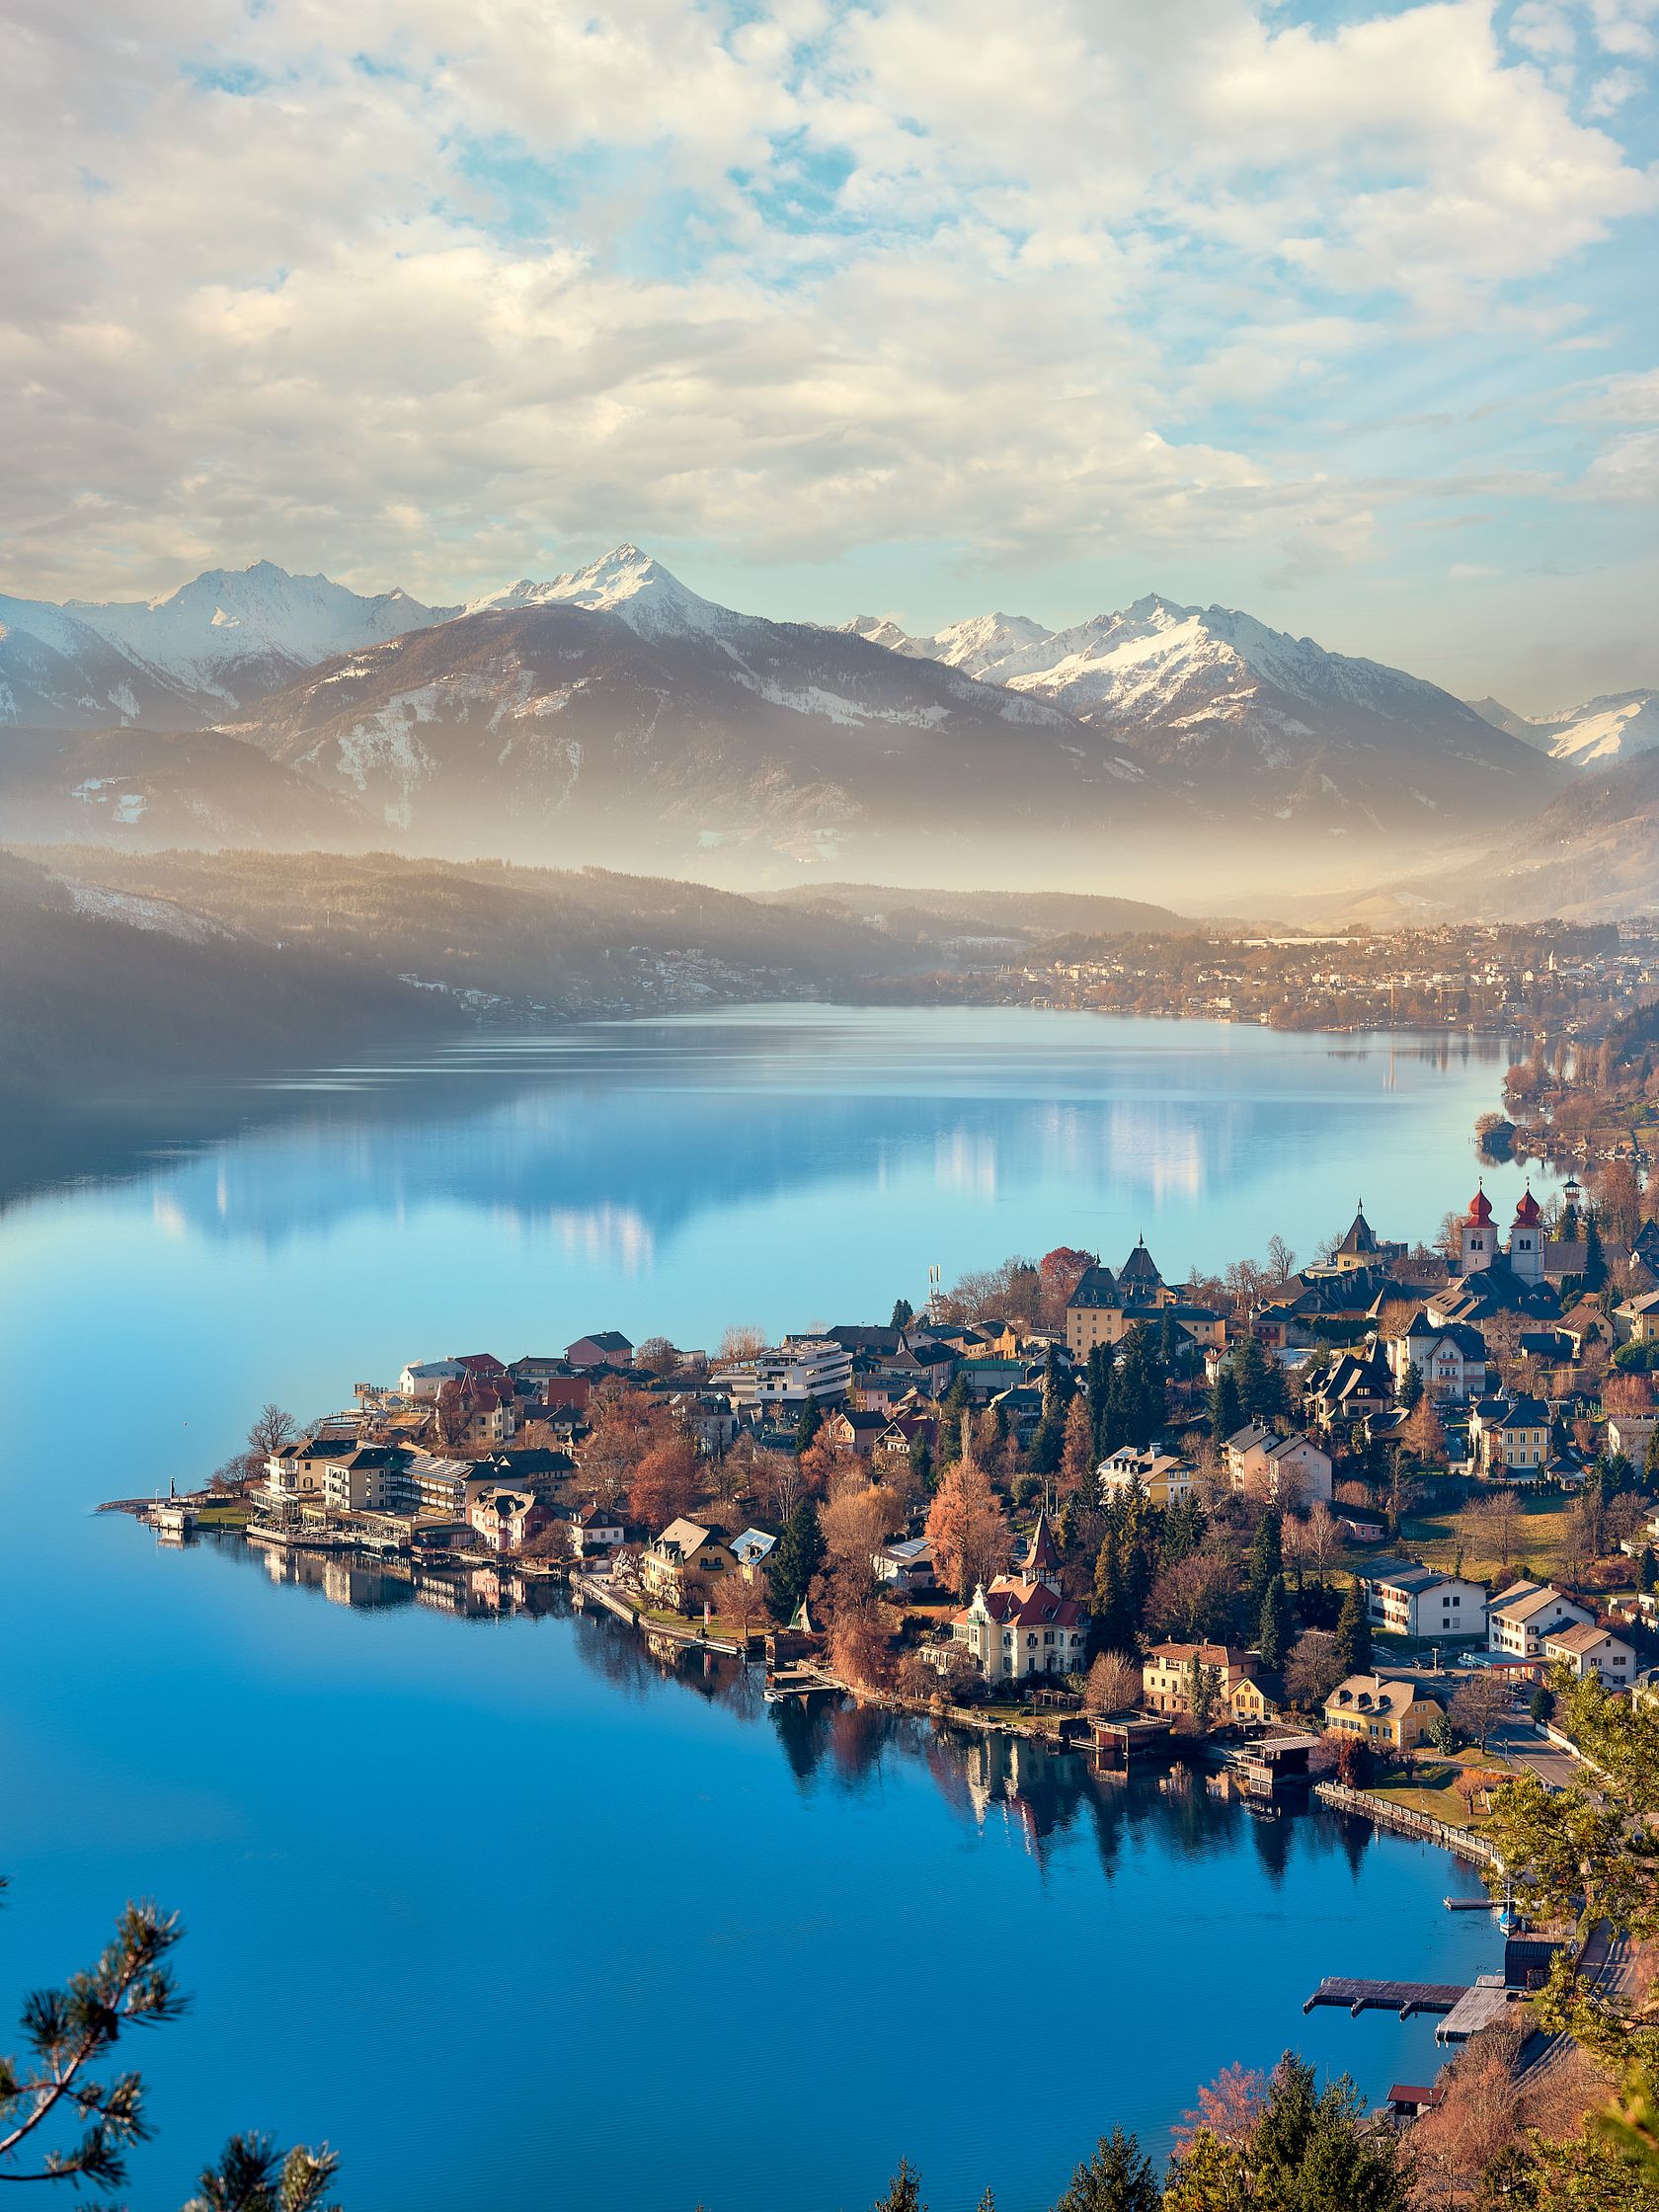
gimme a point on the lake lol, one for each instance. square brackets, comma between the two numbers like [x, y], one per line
[501, 1907]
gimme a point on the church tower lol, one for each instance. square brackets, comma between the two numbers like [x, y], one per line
[1526, 1239]
[1480, 1239]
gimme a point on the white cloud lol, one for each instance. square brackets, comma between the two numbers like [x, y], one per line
[528, 277]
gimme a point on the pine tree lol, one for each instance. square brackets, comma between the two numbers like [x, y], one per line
[1117, 2179]
[904, 1313]
[903, 2191]
[1353, 1634]
[1224, 1407]
[796, 1559]
[1646, 1568]
[807, 1426]
[1184, 1525]
[1595, 1259]
[1261, 1380]
[1267, 1554]
[1277, 1625]
[1411, 1390]
[1114, 1629]
[1077, 1455]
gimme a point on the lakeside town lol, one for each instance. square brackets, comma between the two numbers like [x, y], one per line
[1359, 1512]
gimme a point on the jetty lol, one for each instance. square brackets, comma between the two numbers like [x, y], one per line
[1402, 1997]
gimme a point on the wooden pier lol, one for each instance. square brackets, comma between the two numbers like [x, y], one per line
[1404, 1997]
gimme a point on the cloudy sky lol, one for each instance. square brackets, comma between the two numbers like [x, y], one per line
[1345, 313]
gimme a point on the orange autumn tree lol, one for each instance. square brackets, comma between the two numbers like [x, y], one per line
[967, 1528]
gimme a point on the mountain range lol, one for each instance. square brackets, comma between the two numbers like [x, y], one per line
[612, 714]
[1616, 727]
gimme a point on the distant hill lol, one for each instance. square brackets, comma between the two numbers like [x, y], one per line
[147, 789]
[1592, 855]
[1012, 914]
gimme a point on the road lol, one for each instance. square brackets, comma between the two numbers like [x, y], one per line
[1516, 1738]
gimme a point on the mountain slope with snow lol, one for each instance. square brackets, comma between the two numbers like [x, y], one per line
[180, 659]
[616, 708]
[1618, 726]
[1257, 718]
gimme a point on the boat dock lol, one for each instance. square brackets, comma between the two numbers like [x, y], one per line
[1404, 1997]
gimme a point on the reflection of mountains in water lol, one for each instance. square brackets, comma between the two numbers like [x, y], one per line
[1041, 1793]
[610, 1142]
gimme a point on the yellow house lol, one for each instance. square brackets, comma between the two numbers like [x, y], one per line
[1382, 1711]
[1255, 1698]
[686, 1564]
[1166, 1675]
[1163, 1477]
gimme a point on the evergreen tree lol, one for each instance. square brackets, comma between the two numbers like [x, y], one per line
[1267, 1555]
[1595, 1259]
[807, 1426]
[957, 1400]
[1261, 1381]
[1277, 1625]
[1183, 1532]
[1049, 1439]
[1353, 1634]
[1314, 2152]
[904, 1313]
[921, 1461]
[1114, 1627]
[796, 1559]
[903, 2191]
[1646, 1568]
[1411, 1391]
[1117, 2179]
[1203, 1690]
[1224, 1407]
[1135, 1406]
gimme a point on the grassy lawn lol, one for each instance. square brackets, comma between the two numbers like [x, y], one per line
[235, 1513]
[1438, 1804]
[1535, 1539]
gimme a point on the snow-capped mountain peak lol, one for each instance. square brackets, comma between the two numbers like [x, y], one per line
[632, 585]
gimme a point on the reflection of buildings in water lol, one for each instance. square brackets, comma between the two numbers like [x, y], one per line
[615, 1235]
[964, 1164]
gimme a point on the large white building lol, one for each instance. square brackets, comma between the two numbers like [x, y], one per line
[1405, 1600]
[800, 1367]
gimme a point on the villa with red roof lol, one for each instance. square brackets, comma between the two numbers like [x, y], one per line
[1021, 1625]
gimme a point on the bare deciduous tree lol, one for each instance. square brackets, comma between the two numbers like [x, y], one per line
[1114, 1683]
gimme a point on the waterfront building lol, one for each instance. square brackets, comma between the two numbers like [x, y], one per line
[596, 1530]
[1021, 1625]
[686, 1564]
[1451, 1362]
[1166, 1675]
[1385, 1712]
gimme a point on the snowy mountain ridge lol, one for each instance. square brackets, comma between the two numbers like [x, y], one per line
[1618, 726]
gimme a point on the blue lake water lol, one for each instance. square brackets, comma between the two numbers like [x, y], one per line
[504, 1909]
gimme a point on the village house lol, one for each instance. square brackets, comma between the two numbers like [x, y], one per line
[1353, 1388]
[294, 1473]
[905, 1565]
[507, 1519]
[1385, 1712]
[1257, 1699]
[1450, 1362]
[422, 1380]
[1285, 1469]
[1166, 1675]
[1162, 1477]
[1021, 1625]
[605, 1348]
[1519, 1617]
[1636, 1320]
[685, 1566]
[1588, 1649]
[752, 1551]
[1509, 1438]
[1630, 1434]
[1406, 1600]
[596, 1530]
[1361, 1247]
